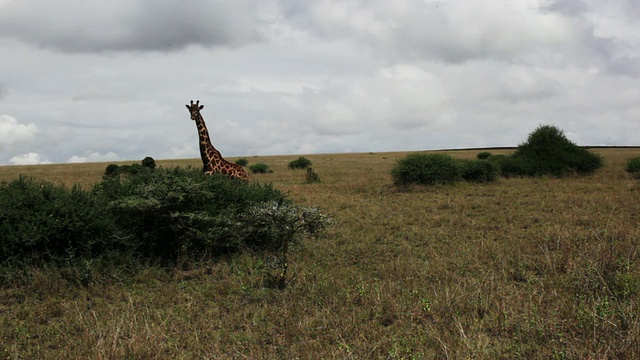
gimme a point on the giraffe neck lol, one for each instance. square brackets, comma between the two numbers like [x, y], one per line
[211, 157]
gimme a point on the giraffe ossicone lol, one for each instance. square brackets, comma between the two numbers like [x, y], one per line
[212, 160]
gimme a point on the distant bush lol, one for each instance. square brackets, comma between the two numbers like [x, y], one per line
[483, 155]
[300, 163]
[426, 169]
[148, 162]
[312, 177]
[547, 151]
[633, 167]
[260, 168]
[508, 166]
[478, 171]
[242, 161]
[112, 170]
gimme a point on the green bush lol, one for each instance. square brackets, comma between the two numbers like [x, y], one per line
[164, 215]
[478, 171]
[426, 169]
[260, 168]
[508, 166]
[41, 222]
[547, 151]
[112, 170]
[242, 161]
[483, 155]
[633, 167]
[275, 226]
[181, 212]
[300, 163]
[148, 162]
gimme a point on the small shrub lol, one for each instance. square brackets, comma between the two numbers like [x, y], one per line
[478, 171]
[426, 169]
[633, 167]
[260, 168]
[584, 162]
[300, 163]
[275, 226]
[242, 161]
[148, 162]
[508, 166]
[483, 155]
[312, 177]
[112, 170]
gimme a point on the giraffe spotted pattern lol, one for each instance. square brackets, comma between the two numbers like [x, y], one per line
[212, 160]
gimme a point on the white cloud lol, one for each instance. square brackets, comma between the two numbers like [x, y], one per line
[94, 157]
[31, 158]
[12, 132]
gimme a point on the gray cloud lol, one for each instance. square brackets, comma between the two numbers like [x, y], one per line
[119, 25]
[453, 31]
[293, 77]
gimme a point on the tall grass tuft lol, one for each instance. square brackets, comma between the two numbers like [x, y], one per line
[311, 177]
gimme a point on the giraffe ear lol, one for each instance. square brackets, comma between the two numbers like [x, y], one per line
[188, 107]
[201, 107]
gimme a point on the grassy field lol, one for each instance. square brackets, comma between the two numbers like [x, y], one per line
[531, 268]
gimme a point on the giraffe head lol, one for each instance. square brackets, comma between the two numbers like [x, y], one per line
[194, 109]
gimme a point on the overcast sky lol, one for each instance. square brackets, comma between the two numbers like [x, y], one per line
[89, 80]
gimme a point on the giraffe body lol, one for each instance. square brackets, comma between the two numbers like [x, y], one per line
[212, 160]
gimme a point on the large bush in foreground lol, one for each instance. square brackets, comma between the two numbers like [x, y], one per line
[426, 169]
[547, 151]
[181, 212]
[163, 215]
[40, 221]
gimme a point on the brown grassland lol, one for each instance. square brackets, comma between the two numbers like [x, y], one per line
[531, 268]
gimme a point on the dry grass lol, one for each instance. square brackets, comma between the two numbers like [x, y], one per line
[522, 268]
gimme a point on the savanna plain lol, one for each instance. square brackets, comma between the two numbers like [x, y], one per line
[530, 268]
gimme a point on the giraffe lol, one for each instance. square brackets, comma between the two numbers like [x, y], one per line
[212, 160]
